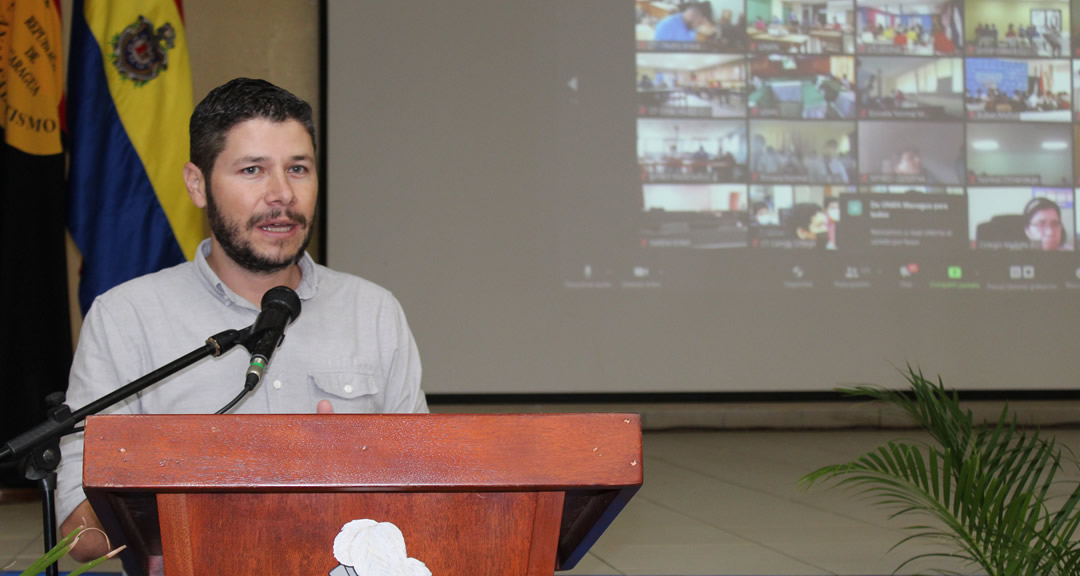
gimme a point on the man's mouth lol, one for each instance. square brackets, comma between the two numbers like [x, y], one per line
[277, 227]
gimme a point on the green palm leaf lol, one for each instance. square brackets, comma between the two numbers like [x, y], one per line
[984, 487]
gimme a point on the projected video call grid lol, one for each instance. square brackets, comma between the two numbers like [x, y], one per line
[937, 125]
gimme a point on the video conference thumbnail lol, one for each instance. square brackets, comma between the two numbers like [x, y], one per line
[685, 151]
[713, 216]
[909, 219]
[691, 85]
[1076, 86]
[1075, 35]
[809, 87]
[795, 216]
[1019, 154]
[802, 152]
[1016, 28]
[804, 27]
[920, 28]
[699, 26]
[1028, 90]
[910, 88]
[1022, 218]
[925, 153]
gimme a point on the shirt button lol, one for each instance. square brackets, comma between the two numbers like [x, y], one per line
[348, 389]
[277, 384]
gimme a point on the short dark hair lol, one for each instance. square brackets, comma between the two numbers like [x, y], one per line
[703, 8]
[237, 101]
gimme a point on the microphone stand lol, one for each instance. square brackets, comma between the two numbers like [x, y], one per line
[39, 447]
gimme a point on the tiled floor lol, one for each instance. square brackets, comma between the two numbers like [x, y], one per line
[717, 502]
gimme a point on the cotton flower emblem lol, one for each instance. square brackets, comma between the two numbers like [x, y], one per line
[370, 548]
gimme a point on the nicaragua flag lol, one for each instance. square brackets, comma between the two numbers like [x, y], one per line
[129, 102]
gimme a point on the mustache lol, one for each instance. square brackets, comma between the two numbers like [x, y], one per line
[275, 214]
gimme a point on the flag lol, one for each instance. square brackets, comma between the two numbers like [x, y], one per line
[129, 101]
[35, 331]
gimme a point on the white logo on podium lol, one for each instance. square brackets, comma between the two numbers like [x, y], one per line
[370, 548]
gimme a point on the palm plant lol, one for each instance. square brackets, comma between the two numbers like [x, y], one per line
[991, 490]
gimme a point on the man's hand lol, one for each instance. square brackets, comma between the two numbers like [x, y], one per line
[92, 544]
[324, 407]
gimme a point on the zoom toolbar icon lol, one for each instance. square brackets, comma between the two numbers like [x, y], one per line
[909, 270]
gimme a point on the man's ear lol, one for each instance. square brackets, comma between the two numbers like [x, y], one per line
[196, 184]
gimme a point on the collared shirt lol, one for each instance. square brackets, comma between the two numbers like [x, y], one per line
[674, 29]
[350, 345]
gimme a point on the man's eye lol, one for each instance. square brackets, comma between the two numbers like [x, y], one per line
[298, 169]
[250, 170]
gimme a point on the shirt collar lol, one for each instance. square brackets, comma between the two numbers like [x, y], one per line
[309, 279]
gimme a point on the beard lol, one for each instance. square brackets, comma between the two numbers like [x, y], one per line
[229, 235]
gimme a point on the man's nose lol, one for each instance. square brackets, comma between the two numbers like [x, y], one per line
[279, 189]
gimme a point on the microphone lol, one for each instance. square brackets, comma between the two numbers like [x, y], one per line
[280, 306]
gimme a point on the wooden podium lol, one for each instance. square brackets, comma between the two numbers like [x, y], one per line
[497, 494]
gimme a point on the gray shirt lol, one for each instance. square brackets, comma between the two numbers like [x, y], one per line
[349, 345]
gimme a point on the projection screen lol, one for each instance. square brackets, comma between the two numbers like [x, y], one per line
[615, 196]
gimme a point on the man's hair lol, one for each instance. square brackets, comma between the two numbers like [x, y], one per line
[703, 8]
[237, 101]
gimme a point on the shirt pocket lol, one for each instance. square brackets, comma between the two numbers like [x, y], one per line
[350, 391]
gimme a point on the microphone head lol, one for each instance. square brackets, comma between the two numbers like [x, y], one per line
[282, 298]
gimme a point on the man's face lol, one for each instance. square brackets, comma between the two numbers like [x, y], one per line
[694, 18]
[261, 196]
[1045, 228]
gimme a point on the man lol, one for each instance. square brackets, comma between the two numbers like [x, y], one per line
[350, 350]
[833, 164]
[683, 26]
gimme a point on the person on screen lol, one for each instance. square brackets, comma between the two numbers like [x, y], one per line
[757, 153]
[900, 37]
[809, 222]
[763, 215]
[942, 43]
[1042, 218]
[909, 163]
[834, 164]
[814, 166]
[673, 161]
[1033, 37]
[832, 213]
[729, 31]
[253, 168]
[683, 25]
[771, 162]
[866, 91]
[1053, 41]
